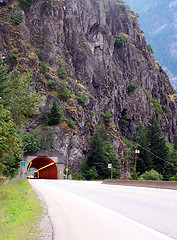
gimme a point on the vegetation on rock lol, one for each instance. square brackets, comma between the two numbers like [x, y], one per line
[63, 93]
[55, 114]
[119, 41]
[81, 98]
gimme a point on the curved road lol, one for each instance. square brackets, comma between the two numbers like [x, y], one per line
[93, 211]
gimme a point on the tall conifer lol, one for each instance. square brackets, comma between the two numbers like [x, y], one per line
[157, 144]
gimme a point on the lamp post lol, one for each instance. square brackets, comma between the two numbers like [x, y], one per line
[136, 156]
[23, 162]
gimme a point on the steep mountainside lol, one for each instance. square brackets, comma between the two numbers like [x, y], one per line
[158, 20]
[77, 38]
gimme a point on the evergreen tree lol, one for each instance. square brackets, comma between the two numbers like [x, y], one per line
[99, 155]
[157, 144]
[55, 114]
[144, 162]
[170, 166]
[63, 93]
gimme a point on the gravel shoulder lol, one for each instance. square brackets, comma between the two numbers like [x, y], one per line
[45, 226]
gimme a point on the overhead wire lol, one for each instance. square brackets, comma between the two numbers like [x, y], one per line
[157, 156]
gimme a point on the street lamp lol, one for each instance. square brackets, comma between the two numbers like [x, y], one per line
[136, 156]
[23, 162]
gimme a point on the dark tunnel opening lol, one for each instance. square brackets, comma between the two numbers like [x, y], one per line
[45, 166]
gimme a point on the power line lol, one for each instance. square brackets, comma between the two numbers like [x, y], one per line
[157, 156]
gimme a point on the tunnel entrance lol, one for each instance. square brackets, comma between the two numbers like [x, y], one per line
[45, 166]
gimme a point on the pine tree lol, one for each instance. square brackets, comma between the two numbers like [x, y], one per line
[157, 144]
[144, 162]
[55, 114]
[100, 154]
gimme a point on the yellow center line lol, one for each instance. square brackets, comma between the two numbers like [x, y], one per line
[146, 194]
[140, 193]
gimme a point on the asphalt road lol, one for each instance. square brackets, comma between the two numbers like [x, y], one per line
[93, 211]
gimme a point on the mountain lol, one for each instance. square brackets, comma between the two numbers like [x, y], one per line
[92, 59]
[158, 20]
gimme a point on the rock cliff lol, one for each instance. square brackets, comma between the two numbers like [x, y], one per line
[78, 37]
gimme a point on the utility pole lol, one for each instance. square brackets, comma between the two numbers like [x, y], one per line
[136, 156]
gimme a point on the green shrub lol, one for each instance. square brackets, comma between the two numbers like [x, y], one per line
[43, 67]
[4, 45]
[174, 178]
[71, 123]
[149, 48]
[28, 46]
[37, 88]
[25, 4]
[52, 83]
[61, 73]
[151, 175]
[155, 103]
[47, 4]
[128, 7]
[119, 41]
[81, 98]
[92, 113]
[157, 106]
[107, 116]
[40, 55]
[17, 18]
[89, 174]
[131, 87]
[13, 57]
[63, 93]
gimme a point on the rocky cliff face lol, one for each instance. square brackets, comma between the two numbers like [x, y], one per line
[79, 36]
[158, 21]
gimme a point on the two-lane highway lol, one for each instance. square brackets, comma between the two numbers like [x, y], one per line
[94, 211]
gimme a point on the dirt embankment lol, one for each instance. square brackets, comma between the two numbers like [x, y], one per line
[147, 183]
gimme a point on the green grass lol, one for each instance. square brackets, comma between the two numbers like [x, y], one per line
[20, 211]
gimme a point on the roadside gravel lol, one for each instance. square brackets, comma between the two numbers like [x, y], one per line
[45, 225]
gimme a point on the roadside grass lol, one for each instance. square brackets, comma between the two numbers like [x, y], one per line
[20, 211]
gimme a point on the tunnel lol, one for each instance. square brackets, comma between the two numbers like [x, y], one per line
[45, 166]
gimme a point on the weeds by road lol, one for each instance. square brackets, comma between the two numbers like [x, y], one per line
[20, 211]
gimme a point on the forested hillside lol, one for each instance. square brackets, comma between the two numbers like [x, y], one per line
[158, 21]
